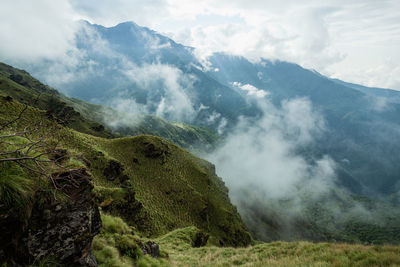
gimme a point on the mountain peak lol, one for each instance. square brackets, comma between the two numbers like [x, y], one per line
[125, 24]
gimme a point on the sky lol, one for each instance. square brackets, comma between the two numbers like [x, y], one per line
[353, 40]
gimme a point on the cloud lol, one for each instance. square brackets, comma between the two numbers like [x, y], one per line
[260, 153]
[338, 38]
[300, 121]
[174, 104]
[109, 13]
[280, 190]
[385, 74]
[349, 40]
[261, 167]
[32, 30]
[251, 89]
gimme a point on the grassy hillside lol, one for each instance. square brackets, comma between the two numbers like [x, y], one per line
[19, 85]
[116, 247]
[177, 245]
[149, 190]
[89, 118]
[154, 185]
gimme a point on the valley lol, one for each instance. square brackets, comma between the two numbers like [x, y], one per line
[134, 150]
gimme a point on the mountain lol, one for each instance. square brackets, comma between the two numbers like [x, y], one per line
[136, 70]
[362, 127]
[53, 179]
[69, 197]
[89, 118]
[132, 62]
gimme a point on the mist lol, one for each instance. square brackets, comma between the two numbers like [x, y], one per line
[280, 190]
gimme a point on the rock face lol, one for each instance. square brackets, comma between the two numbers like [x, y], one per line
[62, 229]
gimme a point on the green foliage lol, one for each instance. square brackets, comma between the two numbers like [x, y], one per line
[114, 225]
[46, 262]
[128, 245]
[173, 189]
[147, 261]
[116, 246]
[15, 188]
[176, 188]
[108, 255]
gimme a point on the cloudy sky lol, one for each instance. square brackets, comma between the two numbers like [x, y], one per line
[354, 40]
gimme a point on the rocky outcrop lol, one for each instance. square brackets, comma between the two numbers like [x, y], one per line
[200, 239]
[156, 151]
[150, 248]
[114, 170]
[61, 228]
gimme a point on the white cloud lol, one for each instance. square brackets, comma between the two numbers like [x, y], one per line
[301, 121]
[175, 104]
[338, 38]
[32, 30]
[274, 171]
[385, 74]
[109, 13]
[251, 90]
[350, 40]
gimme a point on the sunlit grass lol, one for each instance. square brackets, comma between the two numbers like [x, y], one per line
[177, 245]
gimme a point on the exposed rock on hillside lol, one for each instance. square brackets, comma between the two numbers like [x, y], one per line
[62, 229]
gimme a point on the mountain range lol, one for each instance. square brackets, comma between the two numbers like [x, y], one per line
[136, 70]
[301, 157]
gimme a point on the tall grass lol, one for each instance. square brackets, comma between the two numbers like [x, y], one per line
[15, 186]
[178, 245]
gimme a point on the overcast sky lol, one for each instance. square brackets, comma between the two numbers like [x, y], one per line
[354, 40]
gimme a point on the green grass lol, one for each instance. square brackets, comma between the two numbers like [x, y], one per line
[176, 188]
[178, 246]
[16, 189]
[90, 118]
[117, 246]
[169, 188]
[114, 225]
[170, 196]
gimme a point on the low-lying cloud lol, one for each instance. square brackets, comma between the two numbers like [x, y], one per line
[273, 182]
[261, 153]
[171, 83]
[251, 89]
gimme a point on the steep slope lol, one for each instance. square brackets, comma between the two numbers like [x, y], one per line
[154, 185]
[90, 118]
[19, 85]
